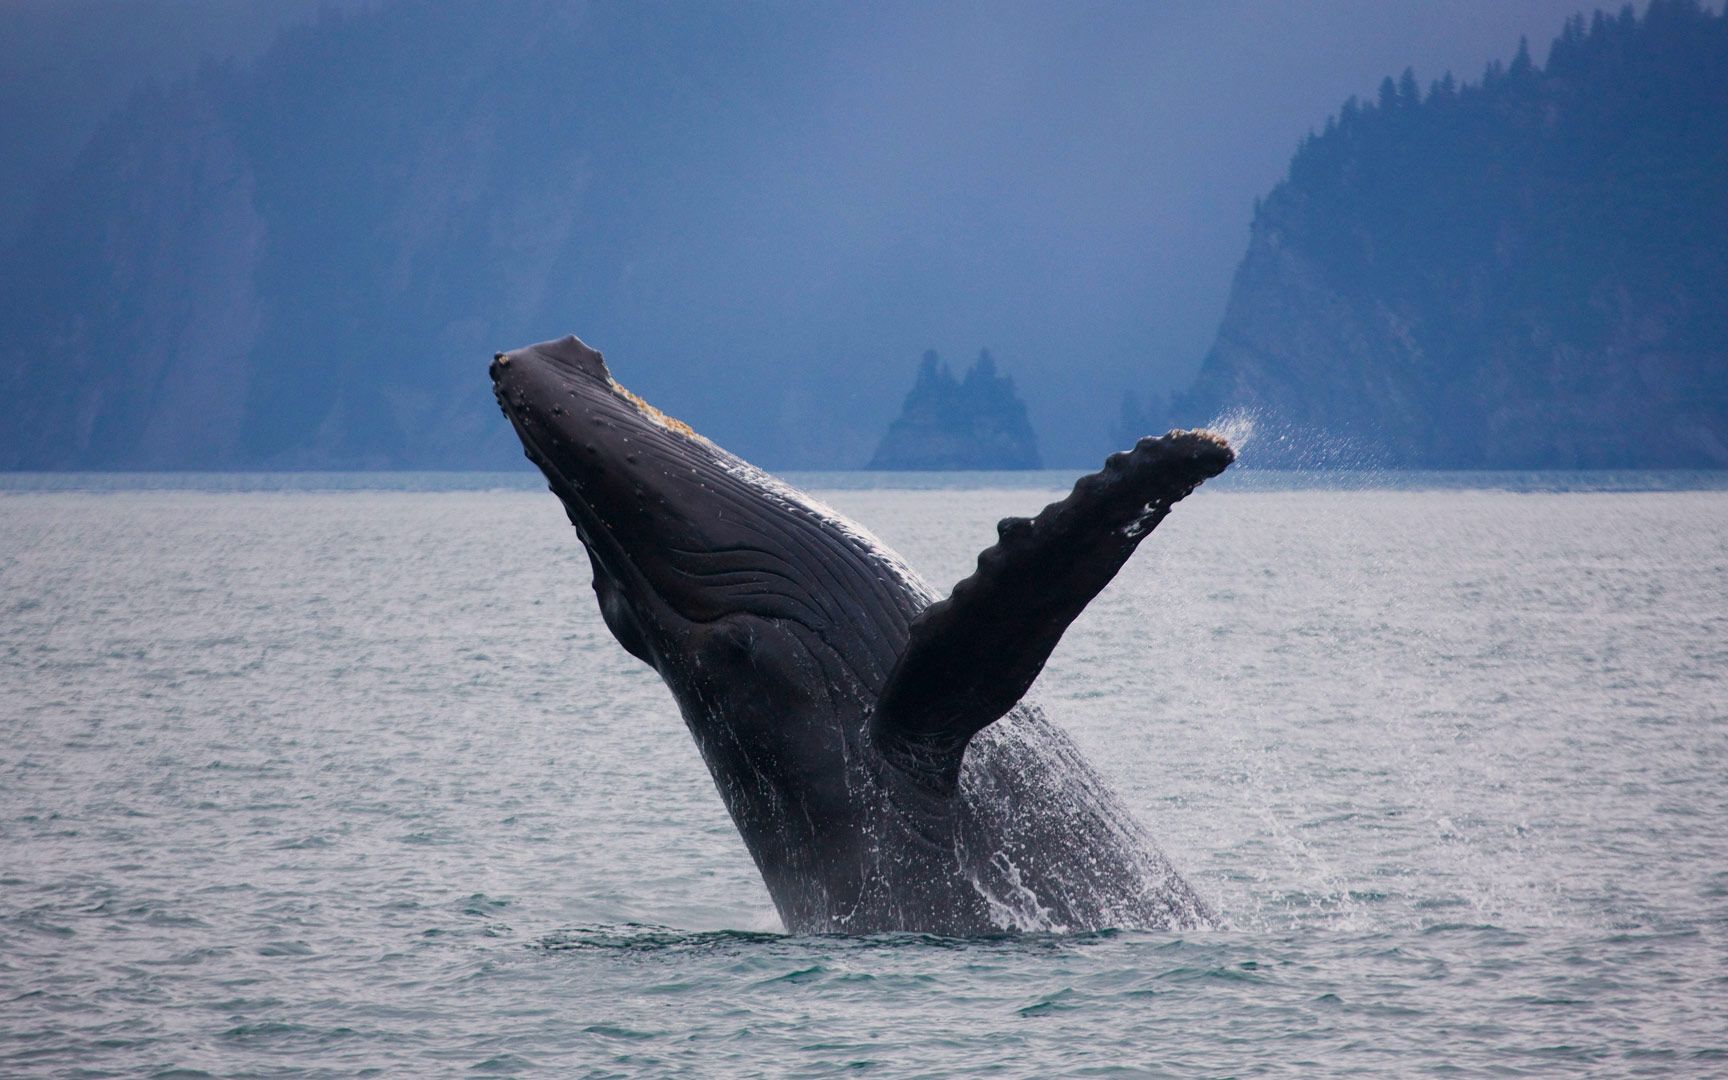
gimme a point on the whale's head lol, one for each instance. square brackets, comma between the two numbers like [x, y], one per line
[696, 555]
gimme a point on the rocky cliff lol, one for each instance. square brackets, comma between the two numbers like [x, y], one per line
[1527, 272]
[977, 422]
[306, 263]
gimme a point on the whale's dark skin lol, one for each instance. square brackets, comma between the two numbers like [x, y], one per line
[868, 738]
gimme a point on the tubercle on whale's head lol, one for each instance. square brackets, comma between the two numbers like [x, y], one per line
[638, 485]
[572, 361]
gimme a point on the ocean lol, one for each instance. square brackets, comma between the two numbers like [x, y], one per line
[342, 775]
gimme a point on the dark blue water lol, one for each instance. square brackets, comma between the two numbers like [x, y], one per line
[316, 782]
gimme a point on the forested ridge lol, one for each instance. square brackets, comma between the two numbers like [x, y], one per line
[1523, 271]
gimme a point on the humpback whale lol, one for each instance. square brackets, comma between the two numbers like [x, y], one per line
[870, 739]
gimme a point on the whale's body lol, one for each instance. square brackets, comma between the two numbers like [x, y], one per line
[868, 738]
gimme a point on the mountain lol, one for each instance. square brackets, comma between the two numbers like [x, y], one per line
[1526, 272]
[977, 422]
[307, 263]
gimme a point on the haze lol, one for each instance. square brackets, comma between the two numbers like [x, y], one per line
[1068, 185]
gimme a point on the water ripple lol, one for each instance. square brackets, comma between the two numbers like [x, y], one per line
[337, 783]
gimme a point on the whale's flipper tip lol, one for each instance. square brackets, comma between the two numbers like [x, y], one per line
[973, 655]
[1209, 450]
[1204, 441]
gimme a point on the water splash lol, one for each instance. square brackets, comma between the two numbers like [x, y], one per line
[1300, 449]
[1237, 426]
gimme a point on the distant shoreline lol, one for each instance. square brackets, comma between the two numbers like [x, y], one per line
[1244, 480]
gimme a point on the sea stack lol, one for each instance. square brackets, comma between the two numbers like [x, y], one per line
[977, 422]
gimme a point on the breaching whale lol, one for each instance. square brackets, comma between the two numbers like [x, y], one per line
[869, 738]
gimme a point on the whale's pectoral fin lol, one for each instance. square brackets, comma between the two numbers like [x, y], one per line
[973, 655]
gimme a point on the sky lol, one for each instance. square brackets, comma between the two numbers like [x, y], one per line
[1067, 184]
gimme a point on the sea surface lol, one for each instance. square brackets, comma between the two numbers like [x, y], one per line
[342, 775]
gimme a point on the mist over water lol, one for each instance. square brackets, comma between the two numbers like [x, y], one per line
[317, 782]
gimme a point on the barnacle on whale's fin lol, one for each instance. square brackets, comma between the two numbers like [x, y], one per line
[973, 655]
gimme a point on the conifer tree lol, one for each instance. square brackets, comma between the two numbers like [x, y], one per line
[1522, 69]
[1388, 94]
